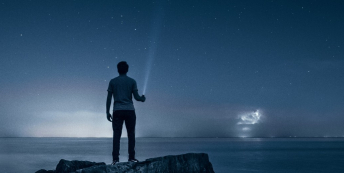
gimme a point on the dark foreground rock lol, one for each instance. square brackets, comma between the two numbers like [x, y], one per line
[65, 166]
[188, 163]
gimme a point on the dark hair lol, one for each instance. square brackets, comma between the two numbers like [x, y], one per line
[122, 67]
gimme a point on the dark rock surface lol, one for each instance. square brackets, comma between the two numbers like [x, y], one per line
[65, 166]
[45, 171]
[185, 163]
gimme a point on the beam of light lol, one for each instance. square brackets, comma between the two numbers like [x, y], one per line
[156, 29]
[250, 117]
[149, 65]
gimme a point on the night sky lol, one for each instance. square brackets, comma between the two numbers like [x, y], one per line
[214, 68]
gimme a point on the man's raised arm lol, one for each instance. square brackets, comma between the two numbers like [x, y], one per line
[138, 97]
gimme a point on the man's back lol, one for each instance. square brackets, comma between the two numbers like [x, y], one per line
[122, 88]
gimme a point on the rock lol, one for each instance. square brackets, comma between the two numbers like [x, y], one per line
[66, 166]
[45, 171]
[188, 163]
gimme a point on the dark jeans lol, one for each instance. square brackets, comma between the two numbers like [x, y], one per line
[129, 117]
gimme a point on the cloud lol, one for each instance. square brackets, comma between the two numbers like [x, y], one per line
[250, 117]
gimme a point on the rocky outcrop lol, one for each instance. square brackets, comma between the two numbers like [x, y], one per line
[65, 166]
[188, 163]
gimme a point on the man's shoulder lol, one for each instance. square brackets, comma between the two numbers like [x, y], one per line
[112, 80]
[129, 78]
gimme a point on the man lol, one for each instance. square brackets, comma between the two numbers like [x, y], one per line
[121, 89]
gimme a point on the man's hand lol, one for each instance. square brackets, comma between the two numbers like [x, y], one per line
[143, 98]
[109, 117]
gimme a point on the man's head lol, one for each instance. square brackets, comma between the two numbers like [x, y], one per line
[122, 67]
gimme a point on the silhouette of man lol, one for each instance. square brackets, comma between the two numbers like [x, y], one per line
[121, 89]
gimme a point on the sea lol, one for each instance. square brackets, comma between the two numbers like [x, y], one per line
[227, 155]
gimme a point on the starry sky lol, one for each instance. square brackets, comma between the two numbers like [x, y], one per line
[227, 68]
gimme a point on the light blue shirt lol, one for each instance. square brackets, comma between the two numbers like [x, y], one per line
[122, 88]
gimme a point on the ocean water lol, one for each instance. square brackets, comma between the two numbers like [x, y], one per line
[226, 154]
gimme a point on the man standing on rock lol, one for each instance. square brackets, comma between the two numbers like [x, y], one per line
[121, 89]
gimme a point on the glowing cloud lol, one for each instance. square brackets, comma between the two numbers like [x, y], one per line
[246, 129]
[250, 118]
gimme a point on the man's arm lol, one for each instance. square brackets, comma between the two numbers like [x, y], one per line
[108, 104]
[138, 97]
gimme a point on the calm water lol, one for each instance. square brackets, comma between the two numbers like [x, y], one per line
[226, 154]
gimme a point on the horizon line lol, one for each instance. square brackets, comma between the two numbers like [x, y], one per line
[188, 137]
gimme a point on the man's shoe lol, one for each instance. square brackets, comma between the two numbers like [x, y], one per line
[114, 162]
[133, 160]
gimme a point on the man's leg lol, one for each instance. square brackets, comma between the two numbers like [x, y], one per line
[130, 123]
[117, 124]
